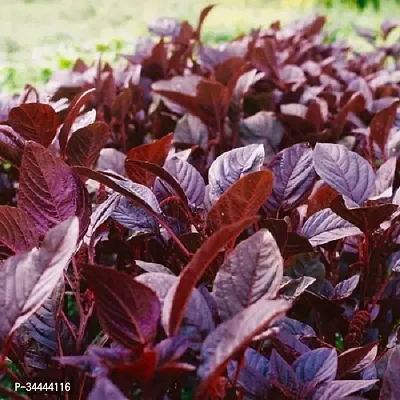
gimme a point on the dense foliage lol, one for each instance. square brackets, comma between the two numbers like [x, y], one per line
[205, 222]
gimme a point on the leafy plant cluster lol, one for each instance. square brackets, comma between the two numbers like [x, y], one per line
[205, 222]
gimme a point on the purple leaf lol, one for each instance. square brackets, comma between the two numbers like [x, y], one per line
[317, 366]
[344, 170]
[171, 349]
[262, 128]
[325, 226]
[292, 289]
[385, 178]
[159, 282]
[294, 177]
[128, 310]
[112, 160]
[28, 279]
[49, 191]
[197, 320]
[390, 387]
[292, 341]
[295, 327]
[233, 336]
[153, 267]
[340, 389]
[345, 288]
[191, 130]
[104, 389]
[280, 370]
[252, 271]
[253, 374]
[38, 335]
[188, 178]
[100, 215]
[231, 166]
[133, 217]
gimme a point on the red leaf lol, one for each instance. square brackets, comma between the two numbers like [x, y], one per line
[16, 231]
[154, 153]
[382, 123]
[243, 199]
[28, 279]
[356, 103]
[128, 310]
[366, 218]
[213, 100]
[49, 192]
[86, 143]
[83, 99]
[203, 15]
[35, 121]
[197, 265]
[122, 103]
[321, 199]
[264, 59]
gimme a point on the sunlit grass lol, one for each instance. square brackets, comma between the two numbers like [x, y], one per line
[38, 36]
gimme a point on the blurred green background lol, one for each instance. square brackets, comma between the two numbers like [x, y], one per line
[38, 36]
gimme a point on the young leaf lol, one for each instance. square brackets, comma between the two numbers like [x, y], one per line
[49, 192]
[294, 177]
[243, 199]
[231, 166]
[325, 226]
[28, 279]
[233, 336]
[318, 365]
[35, 121]
[196, 267]
[16, 233]
[128, 310]
[346, 171]
[252, 271]
[86, 143]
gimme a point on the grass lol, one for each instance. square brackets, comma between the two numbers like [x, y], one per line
[38, 36]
